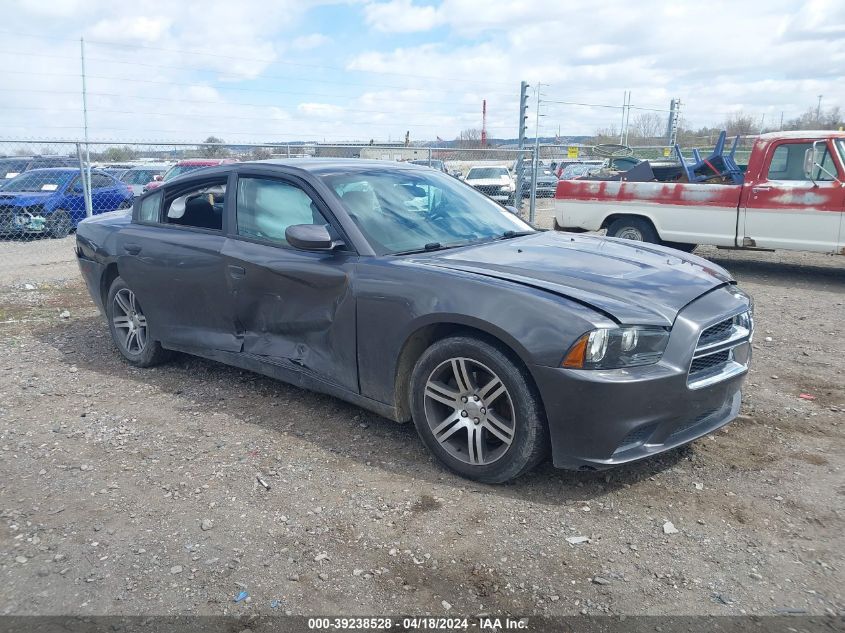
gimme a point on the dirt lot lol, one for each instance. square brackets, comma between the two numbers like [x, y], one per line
[127, 491]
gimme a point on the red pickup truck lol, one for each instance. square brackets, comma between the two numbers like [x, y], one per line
[792, 197]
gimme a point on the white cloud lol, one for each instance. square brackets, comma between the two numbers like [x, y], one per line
[131, 28]
[401, 16]
[308, 42]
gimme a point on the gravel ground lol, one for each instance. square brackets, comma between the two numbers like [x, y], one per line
[127, 491]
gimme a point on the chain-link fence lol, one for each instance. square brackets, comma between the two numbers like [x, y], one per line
[48, 187]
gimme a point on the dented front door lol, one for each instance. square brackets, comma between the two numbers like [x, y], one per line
[291, 307]
[294, 307]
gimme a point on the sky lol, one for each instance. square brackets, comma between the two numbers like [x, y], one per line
[323, 70]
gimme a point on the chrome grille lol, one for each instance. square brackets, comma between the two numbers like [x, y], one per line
[716, 333]
[490, 190]
[722, 352]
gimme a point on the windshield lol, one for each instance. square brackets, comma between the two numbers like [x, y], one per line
[399, 210]
[11, 168]
[477, 173]
[36, 181]
[140, 176]
[178, 170]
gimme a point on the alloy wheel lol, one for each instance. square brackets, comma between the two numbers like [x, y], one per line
[129, 322]
[469, 411]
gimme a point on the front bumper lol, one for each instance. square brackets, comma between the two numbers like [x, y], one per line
[603, 418]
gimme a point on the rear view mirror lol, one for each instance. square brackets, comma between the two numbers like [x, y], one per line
[311, 237]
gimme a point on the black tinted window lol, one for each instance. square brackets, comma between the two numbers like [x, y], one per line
[200, 207]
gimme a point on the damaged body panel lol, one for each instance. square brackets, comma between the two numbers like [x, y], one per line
[344, 277]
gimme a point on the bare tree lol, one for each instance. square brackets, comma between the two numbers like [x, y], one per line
[606, 135]
[742, 124]
[648, 125]
[469, 138]
[814, 119]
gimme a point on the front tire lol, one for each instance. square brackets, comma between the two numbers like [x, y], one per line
[476, 410]
[128, 327]
[633, 228]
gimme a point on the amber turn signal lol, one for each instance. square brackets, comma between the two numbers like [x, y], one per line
[575, 357]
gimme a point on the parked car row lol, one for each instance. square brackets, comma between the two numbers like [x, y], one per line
[51, 201]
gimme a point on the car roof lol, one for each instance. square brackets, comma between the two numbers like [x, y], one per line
[205, 161]
[801, 134]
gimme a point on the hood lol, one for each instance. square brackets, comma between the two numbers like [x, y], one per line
[25, 198]
[632, 282]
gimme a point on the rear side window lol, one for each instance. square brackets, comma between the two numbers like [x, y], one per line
[267, 207]
[200, 206]
[150, 207]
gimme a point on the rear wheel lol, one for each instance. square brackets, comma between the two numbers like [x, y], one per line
[633, 228]
[129, 328]
[59, 224]
[476, 411]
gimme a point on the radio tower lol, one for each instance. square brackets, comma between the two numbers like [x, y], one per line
[484, 123]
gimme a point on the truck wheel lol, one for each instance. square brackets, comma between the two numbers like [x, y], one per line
[476, 411]
[632, 228]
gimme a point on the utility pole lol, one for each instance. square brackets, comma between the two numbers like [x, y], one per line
[819, 110]
[86, 176]
[622, 124]
[523, 124]
[535, 161]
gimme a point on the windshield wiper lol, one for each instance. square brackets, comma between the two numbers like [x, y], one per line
[510, 234]
[431, 246]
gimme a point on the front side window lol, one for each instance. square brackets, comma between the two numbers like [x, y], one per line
[788, 163]
[405, 210]
[200, 207]
[266, 208]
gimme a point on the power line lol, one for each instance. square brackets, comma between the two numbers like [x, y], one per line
[252, 59]
[211, 70]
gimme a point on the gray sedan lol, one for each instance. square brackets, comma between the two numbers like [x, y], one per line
[409, 293]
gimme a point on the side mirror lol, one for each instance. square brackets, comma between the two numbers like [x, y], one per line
[311, 237]
[158, 178]
[814, 162]
[809, 162]
[77, 188]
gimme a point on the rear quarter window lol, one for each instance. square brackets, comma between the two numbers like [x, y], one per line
[150, 209]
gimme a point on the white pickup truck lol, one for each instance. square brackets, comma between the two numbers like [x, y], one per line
[792, 197]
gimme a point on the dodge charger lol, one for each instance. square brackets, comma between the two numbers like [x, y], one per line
[411, 294]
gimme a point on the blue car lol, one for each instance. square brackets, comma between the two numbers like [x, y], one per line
[52, 201]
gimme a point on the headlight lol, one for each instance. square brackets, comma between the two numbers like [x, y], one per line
[608, 348]
[505, 188]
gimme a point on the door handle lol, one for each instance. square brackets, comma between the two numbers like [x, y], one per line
[236, 272]
[758, 189]
[132, 249]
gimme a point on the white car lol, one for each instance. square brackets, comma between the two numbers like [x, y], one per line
[140, 175]
[495, 182]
